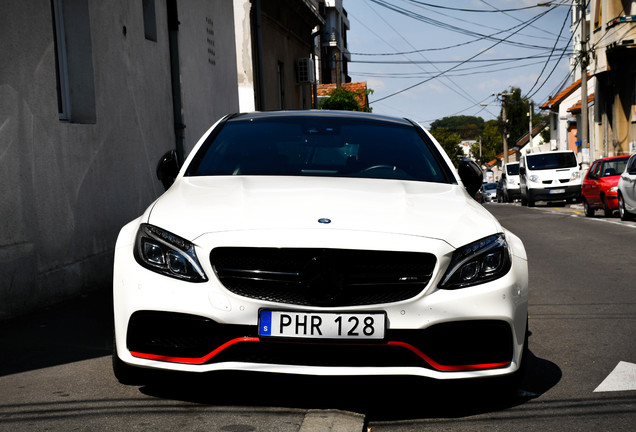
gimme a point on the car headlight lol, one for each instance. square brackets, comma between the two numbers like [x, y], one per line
[511, 180]
[575, 176]
[479, 262]
[614, 189]
[168, 254]
[534, 178]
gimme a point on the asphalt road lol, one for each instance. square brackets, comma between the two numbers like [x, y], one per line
[55, 365]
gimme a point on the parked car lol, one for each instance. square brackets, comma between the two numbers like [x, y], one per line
[489, 192]
[549, 176]
[600, 185]
[627, 191]
[320, 243]
[511, 191]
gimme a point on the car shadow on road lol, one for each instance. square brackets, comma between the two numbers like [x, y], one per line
[77, 329]
[386, 398]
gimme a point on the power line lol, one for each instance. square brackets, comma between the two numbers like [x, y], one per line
[473, 10]
[553, 49]
[461, 92]
[463, 62]
[422, 18]
[493, 60]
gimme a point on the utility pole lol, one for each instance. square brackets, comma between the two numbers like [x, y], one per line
[530, 112]
[505, 127]
[585, 145]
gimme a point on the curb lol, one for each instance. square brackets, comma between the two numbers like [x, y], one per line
[332, 421]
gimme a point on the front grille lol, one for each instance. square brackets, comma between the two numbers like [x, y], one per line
[322, 277]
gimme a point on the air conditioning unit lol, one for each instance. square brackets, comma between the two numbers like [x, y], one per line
[304, 71]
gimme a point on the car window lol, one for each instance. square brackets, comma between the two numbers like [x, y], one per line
[490, 186]
[614, 167]
[512, 169]
[542, 161]
[593, 173]
[315, 146]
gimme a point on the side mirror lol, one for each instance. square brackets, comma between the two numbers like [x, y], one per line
[168, 168]
[522, 170]
[471, 175]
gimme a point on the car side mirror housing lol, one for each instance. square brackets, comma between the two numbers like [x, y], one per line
[471, 175]
[168, 168]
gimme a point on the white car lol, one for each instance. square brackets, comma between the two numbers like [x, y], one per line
[511, 185]
[320, 243]
[627, 191]
[489, 191]
[549, 176]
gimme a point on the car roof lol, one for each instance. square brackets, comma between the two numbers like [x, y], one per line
[613, 157]
[320, 114]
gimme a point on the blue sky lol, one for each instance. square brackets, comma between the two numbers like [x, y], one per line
[426, 59]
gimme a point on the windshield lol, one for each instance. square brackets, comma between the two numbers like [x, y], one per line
[614, 167]
[543, 161]
[490, 186]
[319, 146]
[512, 169]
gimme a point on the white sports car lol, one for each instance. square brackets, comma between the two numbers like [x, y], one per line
[320, 243]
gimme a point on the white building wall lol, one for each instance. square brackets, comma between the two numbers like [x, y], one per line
[244, 64]
[69, 187]
[207, 52]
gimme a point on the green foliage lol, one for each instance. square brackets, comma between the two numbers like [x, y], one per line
[344, 100]
[491, 142]
[468, 127]
[450, 143]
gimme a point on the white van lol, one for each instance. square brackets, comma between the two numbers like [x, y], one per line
[511, 185]
[549, 176]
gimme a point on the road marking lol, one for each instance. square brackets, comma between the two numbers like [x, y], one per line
[622, 378]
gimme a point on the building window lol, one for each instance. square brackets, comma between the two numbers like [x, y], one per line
[74, 61]
[150, 20]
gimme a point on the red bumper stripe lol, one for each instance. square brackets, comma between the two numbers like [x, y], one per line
[427, 359]
[200, 360]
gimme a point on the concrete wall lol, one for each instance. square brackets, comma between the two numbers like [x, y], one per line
[68, 187]
[208, 64]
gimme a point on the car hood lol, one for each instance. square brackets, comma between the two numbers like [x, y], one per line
[195, 206]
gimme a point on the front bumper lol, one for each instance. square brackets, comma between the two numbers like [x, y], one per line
[555, 193]
[445, 347]
[163, 323]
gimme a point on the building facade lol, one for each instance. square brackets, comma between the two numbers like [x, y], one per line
[334, 53]
[612, 58]
[92, 96]
[275, 41]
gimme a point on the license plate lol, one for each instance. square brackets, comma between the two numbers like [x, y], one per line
[556, 191]
[313, 325]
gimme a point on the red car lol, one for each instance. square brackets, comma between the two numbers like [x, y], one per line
[600, 185]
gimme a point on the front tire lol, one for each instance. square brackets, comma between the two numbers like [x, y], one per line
[125, 373]
[625, 215]
[589, 212]
[606, 210]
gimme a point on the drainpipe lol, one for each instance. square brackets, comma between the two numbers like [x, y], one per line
[314, 85]
[175, 78]
[256, 11]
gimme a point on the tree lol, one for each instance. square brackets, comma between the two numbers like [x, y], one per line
[450, 143]
[468, 127]
[491, 142]
[345, 100]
